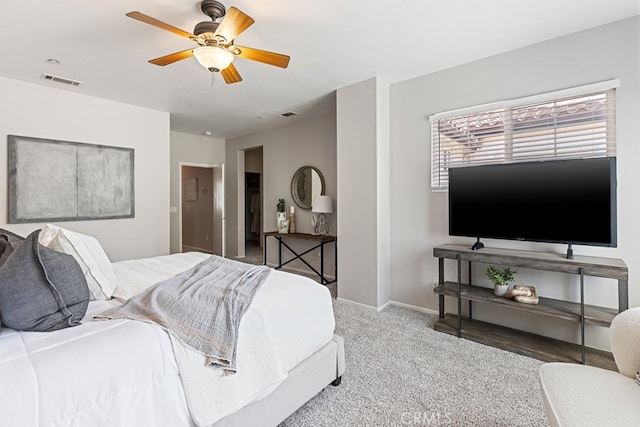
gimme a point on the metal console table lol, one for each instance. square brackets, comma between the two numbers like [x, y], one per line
[521, 342]
[320, 239]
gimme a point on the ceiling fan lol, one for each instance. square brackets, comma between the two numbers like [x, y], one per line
[216, 50]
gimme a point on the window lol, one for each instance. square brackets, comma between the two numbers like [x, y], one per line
[574, 123]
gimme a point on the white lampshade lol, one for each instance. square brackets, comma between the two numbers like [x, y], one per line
[322, 204]
[213, 58]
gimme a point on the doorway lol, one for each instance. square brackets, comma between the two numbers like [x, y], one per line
[202, 209]
[253, 201]
[253, 217]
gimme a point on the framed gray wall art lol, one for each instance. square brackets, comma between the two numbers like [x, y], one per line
[68, 181]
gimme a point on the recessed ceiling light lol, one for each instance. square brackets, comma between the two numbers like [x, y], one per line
[288, 114]
[53, 61]
[208, 133]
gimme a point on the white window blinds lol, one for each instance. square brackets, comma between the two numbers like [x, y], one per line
[562, 124]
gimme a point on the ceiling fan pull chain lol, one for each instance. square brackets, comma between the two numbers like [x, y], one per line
[213, 78]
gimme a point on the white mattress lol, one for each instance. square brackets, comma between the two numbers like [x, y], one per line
[122, 372]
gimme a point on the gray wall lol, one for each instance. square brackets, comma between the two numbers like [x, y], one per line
[363, 193]
[46, 112]
[191, 150]
[197, 213]
[419, 216]
[285, 149]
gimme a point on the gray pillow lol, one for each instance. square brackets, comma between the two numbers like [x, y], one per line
[41, 289]
[12, 238]
[8, 241]
[5, 250]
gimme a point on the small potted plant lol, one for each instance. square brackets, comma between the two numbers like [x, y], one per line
[500, 279]
[280, 213]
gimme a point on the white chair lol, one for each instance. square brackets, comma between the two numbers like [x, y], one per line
[581, 396]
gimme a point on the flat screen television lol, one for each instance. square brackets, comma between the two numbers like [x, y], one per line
[559, 201]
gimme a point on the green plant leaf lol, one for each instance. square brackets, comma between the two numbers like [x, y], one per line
[500, 277]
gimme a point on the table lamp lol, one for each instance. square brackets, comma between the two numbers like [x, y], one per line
[321, 205]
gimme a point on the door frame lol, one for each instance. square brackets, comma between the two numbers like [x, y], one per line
[241, 200]
[207, 166]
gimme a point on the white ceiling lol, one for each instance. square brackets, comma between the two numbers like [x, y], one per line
[332, 43]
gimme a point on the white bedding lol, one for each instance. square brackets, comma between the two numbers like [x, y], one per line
[122, 372]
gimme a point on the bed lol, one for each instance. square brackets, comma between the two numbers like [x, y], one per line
[125, 372]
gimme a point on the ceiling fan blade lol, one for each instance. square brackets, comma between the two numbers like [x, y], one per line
[271, 58]
[156, 23]
[233, 23]
[231, 75]
[171, 58]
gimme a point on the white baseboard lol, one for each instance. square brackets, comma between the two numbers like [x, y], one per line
[359, 304]
[398, 304]
[385, 305]
[413, 307]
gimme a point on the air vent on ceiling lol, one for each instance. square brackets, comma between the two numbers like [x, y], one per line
[60, 79]
[288, 114]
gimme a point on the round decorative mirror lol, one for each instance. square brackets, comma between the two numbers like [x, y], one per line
[306, 185]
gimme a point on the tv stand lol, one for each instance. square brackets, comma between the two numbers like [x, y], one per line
[540, 347]
[477, 245]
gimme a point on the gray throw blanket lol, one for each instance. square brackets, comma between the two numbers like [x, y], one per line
[201, 307]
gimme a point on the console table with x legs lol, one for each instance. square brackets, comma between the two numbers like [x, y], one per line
[320, 239]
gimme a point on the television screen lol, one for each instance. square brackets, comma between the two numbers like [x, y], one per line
[560, 201]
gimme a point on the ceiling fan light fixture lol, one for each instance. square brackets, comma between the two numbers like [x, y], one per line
[212, 58]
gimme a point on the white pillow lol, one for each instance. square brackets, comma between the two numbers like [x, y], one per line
[94, 262]
[47, 234]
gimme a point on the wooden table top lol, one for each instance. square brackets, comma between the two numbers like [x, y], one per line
[304, 236]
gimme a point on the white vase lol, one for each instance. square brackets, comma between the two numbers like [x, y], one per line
[280, 216]
[500, 290]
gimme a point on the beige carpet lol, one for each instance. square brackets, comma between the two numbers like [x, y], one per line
[400, 372]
